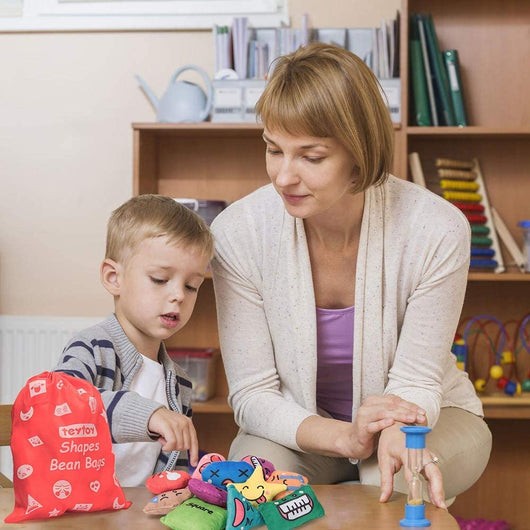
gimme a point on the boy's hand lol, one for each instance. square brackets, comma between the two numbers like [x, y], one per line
[176, 431]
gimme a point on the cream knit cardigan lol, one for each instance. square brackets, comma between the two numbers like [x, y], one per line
[409, 288]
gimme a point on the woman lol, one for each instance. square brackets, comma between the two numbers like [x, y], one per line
[339, 288]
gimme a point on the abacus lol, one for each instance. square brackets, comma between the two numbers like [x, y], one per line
[460, 182]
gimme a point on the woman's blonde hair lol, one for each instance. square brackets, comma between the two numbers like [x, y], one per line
[324, 91]
[147, 216]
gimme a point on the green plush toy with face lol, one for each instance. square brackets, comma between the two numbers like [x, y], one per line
[293, 510]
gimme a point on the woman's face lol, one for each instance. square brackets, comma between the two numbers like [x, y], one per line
[311, 174]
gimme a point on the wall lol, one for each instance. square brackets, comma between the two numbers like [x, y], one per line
[67, 101]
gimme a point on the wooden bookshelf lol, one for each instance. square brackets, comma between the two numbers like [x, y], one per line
[491, 37]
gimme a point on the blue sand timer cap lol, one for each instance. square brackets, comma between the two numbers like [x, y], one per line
[415, 436]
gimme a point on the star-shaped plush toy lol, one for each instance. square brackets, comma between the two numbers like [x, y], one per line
[257, 490]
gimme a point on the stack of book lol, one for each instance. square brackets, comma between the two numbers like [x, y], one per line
[436, 82]
[377, 46]
[245, 55]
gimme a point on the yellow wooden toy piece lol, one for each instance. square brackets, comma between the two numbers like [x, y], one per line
[480, 385]
[496, 371]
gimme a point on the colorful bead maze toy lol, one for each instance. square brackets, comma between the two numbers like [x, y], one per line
[489, 351]
[461, 183]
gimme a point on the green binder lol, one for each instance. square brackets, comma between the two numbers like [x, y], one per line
[422, 114]
[455, 85]
[441, 83]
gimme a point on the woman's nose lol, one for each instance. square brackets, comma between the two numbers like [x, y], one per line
[286, 174]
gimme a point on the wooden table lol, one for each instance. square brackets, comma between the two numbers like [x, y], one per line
[347, 506]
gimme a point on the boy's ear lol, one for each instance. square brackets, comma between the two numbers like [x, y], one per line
[110, 276]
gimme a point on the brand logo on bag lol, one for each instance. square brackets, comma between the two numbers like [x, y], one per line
[37, 387]
[78, 430]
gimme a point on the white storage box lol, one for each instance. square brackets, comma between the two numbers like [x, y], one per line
[200, 364]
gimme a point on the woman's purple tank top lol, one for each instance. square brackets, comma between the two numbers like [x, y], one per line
[334, 361]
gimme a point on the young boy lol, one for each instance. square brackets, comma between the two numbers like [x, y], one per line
[155, 261]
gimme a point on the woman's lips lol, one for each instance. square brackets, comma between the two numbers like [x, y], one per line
[293, 199]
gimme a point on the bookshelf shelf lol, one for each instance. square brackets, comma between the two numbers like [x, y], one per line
[502, 277]
[500, 406]
[470, 132]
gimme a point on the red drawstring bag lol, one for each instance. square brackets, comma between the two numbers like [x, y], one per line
[62, 450]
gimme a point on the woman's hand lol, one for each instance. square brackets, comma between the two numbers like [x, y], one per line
[356, 440]
[392, 455]
[378, 413]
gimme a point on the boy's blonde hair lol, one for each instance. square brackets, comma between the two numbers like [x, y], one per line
[324, 91]
[147, 216]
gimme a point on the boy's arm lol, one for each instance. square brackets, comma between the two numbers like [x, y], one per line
[128, 413]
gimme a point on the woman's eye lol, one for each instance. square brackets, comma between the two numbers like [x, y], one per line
[314, 160]
[272, 151]
[158, 281]
[191, 288]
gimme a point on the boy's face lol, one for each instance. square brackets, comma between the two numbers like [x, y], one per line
[157, 290]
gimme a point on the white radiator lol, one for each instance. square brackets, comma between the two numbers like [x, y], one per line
[30, 345]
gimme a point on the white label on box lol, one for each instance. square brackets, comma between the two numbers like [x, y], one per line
[227, 97]
[252, 95]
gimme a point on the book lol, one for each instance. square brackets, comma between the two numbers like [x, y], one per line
[360, 42]
[335, 36]
[420, 98]
[384, 66]
[428, 73]
[395, 63]
[441, 83]
[455, 85]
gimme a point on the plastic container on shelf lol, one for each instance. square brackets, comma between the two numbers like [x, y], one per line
[200, 364]
[208, 209]
[525, 225]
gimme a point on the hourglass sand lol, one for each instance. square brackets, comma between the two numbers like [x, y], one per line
[415, 507]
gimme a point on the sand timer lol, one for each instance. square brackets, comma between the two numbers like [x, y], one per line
[415, 507]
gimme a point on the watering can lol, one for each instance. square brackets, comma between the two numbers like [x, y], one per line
[183, 101]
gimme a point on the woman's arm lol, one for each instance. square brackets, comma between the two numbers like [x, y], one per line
[331, 437]
[423, 354]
